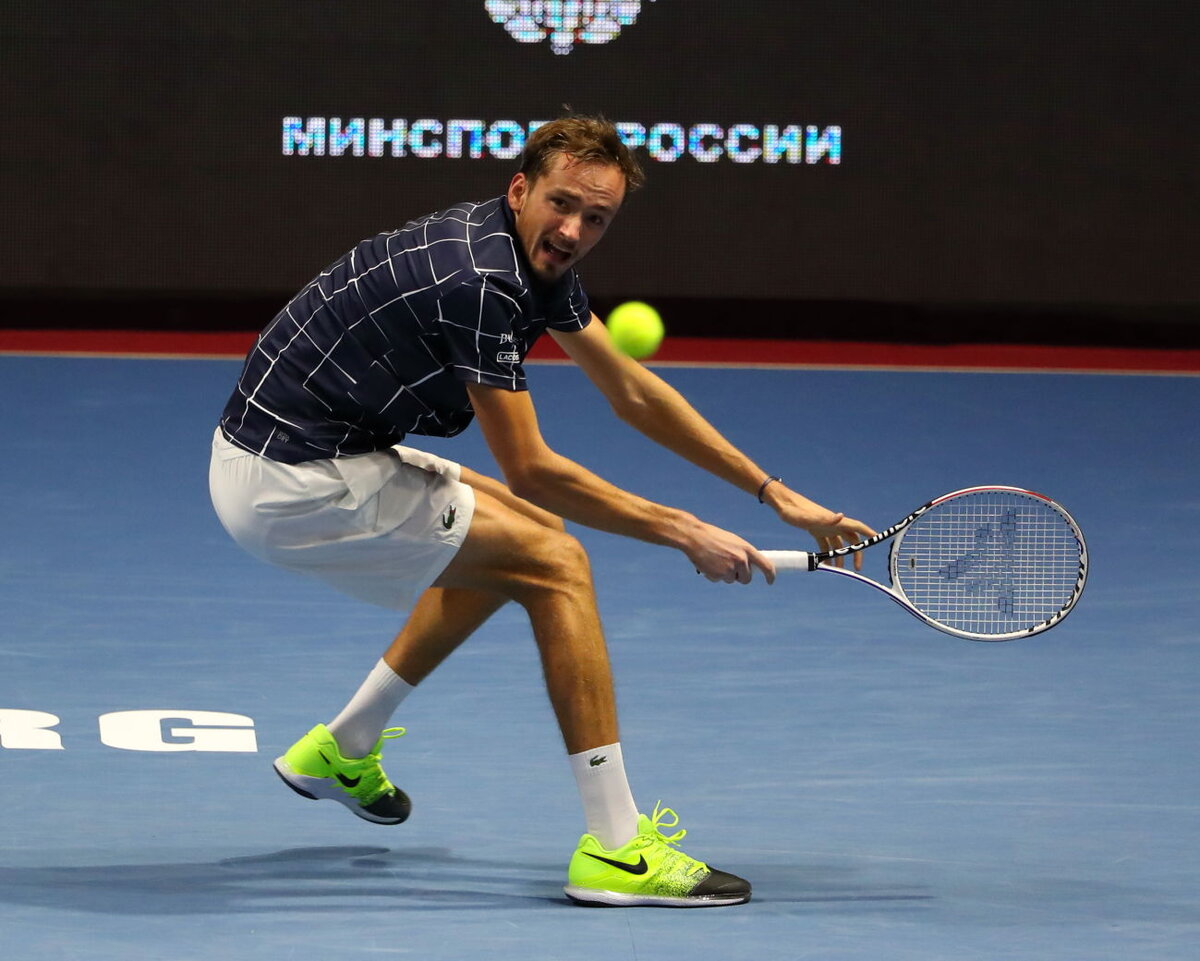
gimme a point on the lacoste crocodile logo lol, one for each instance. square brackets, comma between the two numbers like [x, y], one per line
[597, 760]
[448, 517]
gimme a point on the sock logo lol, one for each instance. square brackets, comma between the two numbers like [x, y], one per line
[597, 760]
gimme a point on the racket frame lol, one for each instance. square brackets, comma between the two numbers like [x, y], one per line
[827, 561]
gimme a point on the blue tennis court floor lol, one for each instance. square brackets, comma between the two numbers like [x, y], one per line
[891, 792]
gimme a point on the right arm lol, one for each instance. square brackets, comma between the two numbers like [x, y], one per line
[555, 483]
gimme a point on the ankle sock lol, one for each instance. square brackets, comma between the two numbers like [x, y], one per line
[358, 726]
[608, 805]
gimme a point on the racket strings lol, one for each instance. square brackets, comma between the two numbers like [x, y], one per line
[989, 563]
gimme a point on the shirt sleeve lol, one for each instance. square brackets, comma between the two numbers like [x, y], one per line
[572, 312]
[475, 333]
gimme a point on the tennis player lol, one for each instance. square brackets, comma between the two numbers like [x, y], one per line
[419, 331]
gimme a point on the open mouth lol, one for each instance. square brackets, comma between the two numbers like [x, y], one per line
[556, 254]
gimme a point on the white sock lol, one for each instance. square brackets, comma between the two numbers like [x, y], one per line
[357, 727]
[608, 805]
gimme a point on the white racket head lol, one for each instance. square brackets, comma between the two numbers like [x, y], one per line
[990, 563]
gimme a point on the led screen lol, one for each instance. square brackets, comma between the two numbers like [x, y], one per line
[927, 151]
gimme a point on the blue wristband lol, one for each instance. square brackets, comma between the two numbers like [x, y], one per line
[764, 484]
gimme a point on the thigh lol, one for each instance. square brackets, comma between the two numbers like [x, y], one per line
[501, 492]
[507, 551]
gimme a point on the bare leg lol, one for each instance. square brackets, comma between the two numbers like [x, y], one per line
[444, 617]
[510, 555]
[517, 551]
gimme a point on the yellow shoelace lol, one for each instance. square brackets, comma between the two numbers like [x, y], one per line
[374, 782]
[659, 820]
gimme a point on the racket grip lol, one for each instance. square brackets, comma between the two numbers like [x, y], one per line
[790, 560]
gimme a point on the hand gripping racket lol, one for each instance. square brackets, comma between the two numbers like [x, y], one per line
[985, 563]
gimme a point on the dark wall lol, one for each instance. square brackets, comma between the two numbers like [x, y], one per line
[921, 155]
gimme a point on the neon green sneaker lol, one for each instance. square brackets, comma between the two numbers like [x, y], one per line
[649, 870]
[314, 768]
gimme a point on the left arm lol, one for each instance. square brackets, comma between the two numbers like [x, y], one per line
[646, 402]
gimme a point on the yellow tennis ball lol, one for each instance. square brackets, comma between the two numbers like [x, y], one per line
[636, 329]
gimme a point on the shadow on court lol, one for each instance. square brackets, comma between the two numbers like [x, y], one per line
[351, 879]
[310, 879]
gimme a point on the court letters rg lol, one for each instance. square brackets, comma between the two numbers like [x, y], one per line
[136, 731]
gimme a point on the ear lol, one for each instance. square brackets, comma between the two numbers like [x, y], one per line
[518, 190]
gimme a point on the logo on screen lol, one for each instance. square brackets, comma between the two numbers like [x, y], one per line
[564, 22]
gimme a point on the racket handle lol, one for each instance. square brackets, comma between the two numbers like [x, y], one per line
[791, 560]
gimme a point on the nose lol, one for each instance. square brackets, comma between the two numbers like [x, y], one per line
[569, 228]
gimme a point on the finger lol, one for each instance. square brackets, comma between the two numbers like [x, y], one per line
[864, 533]
[745, 570]
[825, 545]
[861, 530]
[763, 564]
[858, 558]
[836, 544]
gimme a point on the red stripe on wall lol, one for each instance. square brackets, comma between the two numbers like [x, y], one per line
[675, 350]
[126, 343]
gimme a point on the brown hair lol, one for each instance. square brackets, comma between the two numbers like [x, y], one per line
[588, 140]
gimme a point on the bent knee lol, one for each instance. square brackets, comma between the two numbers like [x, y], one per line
[563, 555]
[554, 562]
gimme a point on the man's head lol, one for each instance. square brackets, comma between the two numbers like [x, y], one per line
[574, 174]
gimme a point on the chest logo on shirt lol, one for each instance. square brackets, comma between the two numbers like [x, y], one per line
[565, 24]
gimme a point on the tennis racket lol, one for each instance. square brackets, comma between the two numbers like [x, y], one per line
[985, 563]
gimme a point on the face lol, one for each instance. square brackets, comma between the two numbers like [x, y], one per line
[563, 213]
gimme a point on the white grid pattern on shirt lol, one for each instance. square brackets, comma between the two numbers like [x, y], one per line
[363, 353]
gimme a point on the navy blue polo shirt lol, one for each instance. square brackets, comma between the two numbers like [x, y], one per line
[382, 343]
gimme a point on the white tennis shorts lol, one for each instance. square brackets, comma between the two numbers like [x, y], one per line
[380, 527]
